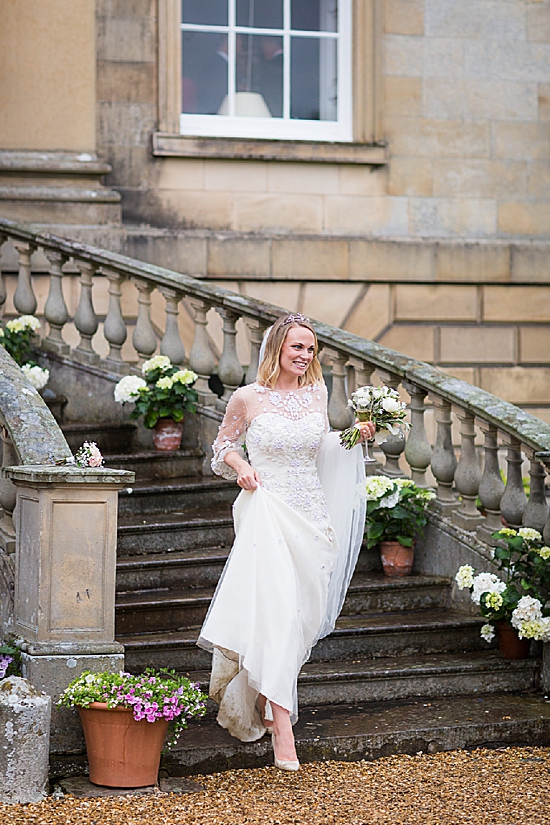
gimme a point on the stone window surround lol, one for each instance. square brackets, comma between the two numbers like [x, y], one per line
[367, 146]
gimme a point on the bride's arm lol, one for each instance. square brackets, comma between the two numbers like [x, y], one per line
[247, 477]
[229, 457]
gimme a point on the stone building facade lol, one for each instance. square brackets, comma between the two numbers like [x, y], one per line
[427, 228]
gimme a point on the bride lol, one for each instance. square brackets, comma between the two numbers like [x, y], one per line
[299, 523]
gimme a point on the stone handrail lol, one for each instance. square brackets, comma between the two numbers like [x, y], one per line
[352, 360]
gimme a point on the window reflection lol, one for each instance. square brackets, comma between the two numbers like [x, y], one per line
[211, 12]
[314, 15]
[313, 79]
[204, 85]
[262, 14]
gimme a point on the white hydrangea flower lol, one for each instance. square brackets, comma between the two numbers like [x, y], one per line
[377, 486]
[537, 629]
[185, 376]
[128, 388]
[507, 532]
[165, 383]
[1, 333]
[528, 609]
[544, 552]
[465, 576]
[493, 601]
[390, 404]
[486, 583]
[404, 482]
[157, 362]
[23, 323]
[529, 534]
[487, 632]
[36, 375]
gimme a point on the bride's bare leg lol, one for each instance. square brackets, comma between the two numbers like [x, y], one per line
[261, 707]
[284, 736]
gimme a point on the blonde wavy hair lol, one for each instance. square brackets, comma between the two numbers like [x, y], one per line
[269, 369]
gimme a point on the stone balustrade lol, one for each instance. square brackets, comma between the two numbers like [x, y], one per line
[487, 424]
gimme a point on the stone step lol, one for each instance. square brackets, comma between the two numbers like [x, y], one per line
[175, 494]
[110, 436]
[351, 732]
[155, 464]
[361, 637]
[194, 568]
[160, 533]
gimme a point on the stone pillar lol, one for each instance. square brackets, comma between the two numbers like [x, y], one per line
[65, 522]
[24, 741]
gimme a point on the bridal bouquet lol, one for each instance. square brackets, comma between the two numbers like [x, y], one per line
[382, 406]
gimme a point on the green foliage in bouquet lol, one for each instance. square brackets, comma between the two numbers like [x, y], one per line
[165, 391]
[396, 510]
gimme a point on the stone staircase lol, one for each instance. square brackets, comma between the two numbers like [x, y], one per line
[395, 641]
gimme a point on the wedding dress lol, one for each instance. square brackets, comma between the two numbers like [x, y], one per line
[297, 540]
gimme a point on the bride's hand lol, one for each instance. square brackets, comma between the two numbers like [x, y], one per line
[247, 477]
[368, 430]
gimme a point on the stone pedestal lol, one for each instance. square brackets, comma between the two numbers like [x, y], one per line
[64, 609]
[24, 741]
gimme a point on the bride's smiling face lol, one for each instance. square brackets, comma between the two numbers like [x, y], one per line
[297, 352]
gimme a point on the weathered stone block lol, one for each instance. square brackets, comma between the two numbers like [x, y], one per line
[372, 313]
[523, 218]
[459, 345]
[480, 178]
[317, 259]
[330, 303]
[519, 385]
[180, 209]
[178, 251]
[521, 141]
[539, 180]
[232, 176]
[377, 216]
[527, 303]
[473, 262]
[403, 56]
[298, 213]
[403, 95]
[404, 17]
[411, 176]
[480, 99]
[434, 303]
[538, 23]
[544, 102]
[424, 137]
[494, 59]
[442, 57]
[129, 39]
[471, 19]
[416, 341]
[126, 82]
[391, 260]
[125, 124]
[530, 262]
[363, 180]
[285, 295]
[448, 217]
[24, 741]
[312, 178]
[238, 257]
[534, 345]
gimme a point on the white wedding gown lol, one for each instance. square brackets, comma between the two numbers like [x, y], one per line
[297, 540]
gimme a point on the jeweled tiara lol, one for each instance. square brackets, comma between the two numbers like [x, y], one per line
[296, 319]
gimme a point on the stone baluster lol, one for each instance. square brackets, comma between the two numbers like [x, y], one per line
[394, 445]
[143, 337]
[467, 475]
[443, 462]
[418, 451]
[171, 344]
[85, 319]
[256, 330]
[230, 371]
[536, 512]
[201, 357]
[514, 500]
[491, 486]
[55, 310]
[24, 298]
[339, 414]
[545, 457]
[2, 284]
[8, 494]
[114, 327]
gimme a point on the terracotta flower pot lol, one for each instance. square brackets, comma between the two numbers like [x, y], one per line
[397, 560]
[509, 643]
[122, 753]
[167, 434]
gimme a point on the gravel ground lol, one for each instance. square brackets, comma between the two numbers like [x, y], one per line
[508, 786]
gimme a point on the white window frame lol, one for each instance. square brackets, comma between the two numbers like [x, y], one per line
[285, 128]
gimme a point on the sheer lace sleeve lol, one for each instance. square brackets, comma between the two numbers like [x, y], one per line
[231, 436]
[324, 396]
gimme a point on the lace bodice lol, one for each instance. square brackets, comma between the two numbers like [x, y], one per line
[282, 432]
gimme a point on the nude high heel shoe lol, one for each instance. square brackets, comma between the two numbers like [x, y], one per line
[292, 765]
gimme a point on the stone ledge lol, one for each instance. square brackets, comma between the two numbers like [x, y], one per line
[170, 145]
[46, 163]
[44, 474]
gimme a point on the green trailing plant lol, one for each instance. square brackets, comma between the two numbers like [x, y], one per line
[396, 510]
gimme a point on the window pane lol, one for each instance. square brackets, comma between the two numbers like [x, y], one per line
[264, 14]
[213, 12]
[204, 86]
[313, 79]
[259, 76]
[314, 15]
